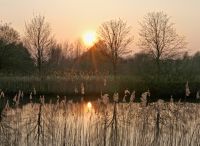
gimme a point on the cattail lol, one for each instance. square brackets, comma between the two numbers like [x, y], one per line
[105, 99]
[18, 98]
[42, 99]
[144, 98]
[187, 90]
[15, 98]
[197, 95]
[171, 99]
[148, 93]
[70, 101]
[58, 99]
[34, 91]
[132, 98]
[65, 99]
[82, 89]
[19, 93]
[30, 96]
[75, 90]
[7, 105]
[127, 92]
[116, 97]
[171, 105]
[22, 94]
[104, 82]
[124, 98]
[160, 102]
[2, 94]
[99, 101]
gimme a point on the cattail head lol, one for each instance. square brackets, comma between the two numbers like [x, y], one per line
[19, 93]
[116, 97]
[148, 93]
[70, 101]
[75, 90]
[65, 99]
[104, 82]
[127, 92]
[160, 103]
[171, 99]
[18, 98]
[22, 94]
[132, 98]
[187, 90]
[99, 101]
[58, 99]
[171, 105]
[34, 91]
[15, 98]
[30, 97]
[7, 105]
[124, 98]
[197, 95]
[2, 94]
[42, 99]
[144, 98]
[82, 89]
[105, 99]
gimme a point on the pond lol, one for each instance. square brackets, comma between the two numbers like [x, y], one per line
[100, 123]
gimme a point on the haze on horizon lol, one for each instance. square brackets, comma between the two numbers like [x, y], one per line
[70, 19]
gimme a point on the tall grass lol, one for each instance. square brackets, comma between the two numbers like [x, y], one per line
[66, 85]
[65, 123]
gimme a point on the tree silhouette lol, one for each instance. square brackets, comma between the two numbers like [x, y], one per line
[38, 40]
[8, 35]
[159, 38]
[115, 34]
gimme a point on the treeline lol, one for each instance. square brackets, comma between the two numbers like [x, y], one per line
[18, 58]
[38, 53]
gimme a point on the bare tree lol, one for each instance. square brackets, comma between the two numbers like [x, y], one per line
[38, 40]
[115, 34]
[56, 54]
[159, 38]
[78, 49]
[68, 50]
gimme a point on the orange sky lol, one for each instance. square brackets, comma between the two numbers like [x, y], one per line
[70, 19]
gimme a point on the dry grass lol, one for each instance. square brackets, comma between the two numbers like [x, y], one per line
[66, 123]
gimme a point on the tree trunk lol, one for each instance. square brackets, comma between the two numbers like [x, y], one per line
[158, 65]
[114, 69]
[114, 62]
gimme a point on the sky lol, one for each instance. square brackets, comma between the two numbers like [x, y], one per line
[70, 19]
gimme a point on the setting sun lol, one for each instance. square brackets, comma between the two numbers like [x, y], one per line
[89, 105]
[89, 38]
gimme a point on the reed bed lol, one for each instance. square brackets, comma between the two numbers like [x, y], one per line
[105, 123]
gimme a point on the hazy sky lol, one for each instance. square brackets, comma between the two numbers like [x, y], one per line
[69, 19]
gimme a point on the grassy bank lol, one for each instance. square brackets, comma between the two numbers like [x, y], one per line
[94, 85]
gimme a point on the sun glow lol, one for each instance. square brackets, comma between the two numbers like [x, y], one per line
[89, 38]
